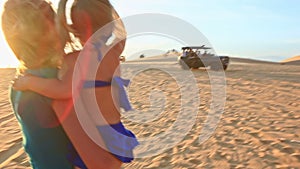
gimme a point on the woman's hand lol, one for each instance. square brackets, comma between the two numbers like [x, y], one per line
[22, 82]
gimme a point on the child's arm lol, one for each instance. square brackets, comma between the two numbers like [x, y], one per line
[53, 88]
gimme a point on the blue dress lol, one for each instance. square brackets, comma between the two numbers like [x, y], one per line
[44, 140]
[118, 140]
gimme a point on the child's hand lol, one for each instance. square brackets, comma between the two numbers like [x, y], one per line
[21, 83]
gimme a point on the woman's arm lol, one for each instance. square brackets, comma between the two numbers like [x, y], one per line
[53, 88]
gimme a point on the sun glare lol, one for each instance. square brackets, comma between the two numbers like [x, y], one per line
[7, 58]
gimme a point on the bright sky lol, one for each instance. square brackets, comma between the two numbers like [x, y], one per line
[258, 29]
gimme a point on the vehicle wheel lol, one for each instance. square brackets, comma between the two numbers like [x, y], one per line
[184, 65]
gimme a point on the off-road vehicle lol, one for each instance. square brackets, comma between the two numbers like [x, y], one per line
[200, 56]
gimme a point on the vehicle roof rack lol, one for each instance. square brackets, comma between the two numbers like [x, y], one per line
[195, 47]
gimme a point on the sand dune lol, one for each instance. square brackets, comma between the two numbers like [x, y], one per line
[292, 61]
[259, 127]
[248, 60]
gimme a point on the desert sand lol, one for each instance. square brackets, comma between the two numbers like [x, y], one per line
[258, 126]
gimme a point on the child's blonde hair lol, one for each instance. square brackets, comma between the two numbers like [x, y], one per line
[27, 28]
[100, 13]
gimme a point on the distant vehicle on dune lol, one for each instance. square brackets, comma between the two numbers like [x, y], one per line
[199, 56]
